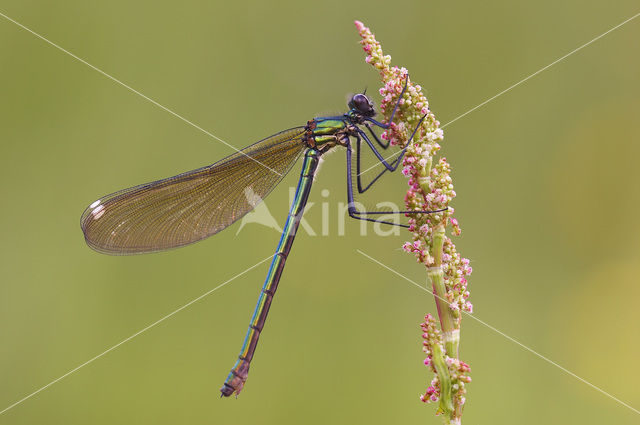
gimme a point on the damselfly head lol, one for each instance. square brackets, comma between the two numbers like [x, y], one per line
[361, 103]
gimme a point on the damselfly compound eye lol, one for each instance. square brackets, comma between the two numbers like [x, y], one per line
[362, 104]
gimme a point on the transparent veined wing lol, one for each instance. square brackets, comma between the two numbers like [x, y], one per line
[186, 208]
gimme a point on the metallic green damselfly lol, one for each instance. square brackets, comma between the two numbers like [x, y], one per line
[186, 208]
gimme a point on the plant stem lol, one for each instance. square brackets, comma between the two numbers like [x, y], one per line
[439, 363]
[451, 335]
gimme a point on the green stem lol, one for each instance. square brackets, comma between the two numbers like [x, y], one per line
[450, 334]
[446, 400]
[448, 321]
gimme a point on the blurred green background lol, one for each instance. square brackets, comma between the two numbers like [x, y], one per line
[546, 176]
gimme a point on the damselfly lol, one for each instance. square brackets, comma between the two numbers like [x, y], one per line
[194, 205]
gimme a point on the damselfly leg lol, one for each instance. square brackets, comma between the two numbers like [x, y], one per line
[361, 215]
